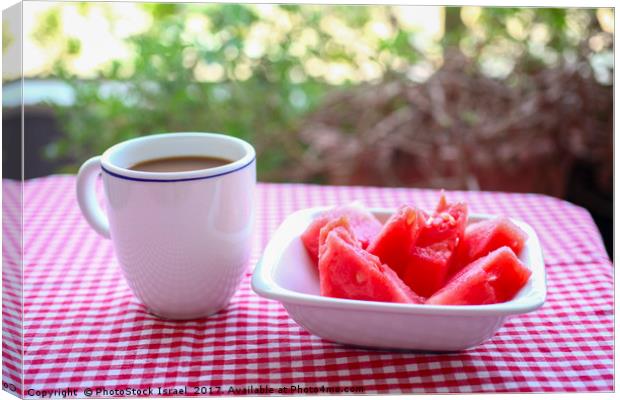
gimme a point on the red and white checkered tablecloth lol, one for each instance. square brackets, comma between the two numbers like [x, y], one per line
[83, 328]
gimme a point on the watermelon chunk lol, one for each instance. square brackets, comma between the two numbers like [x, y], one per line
[347, 271]
[427, 267]
[428, 263]
[494, 278]
[344, 229]
[483, 237]
[363, 224]
[398, 237]
[447, 223]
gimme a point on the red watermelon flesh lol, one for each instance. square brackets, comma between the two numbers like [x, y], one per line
[494, 278]
[447, 223]
[349, 272]
[483, 237]
[343, 227]
[428, 263]
[363, 224]
[427, 268]
[398, 237]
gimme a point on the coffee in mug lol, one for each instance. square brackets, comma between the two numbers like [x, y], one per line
[179, 164]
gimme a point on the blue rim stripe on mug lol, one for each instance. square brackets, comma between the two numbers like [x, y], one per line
[114, 174]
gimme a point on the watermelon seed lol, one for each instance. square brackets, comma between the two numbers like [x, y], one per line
[448, 218]
[410, 218]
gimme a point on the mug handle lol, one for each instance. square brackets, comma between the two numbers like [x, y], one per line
[86, 179]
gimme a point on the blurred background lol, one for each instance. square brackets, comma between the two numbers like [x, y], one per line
[470, 98]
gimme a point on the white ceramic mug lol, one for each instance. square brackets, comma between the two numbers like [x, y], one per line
[182, 238]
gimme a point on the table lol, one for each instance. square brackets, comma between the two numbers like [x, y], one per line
[83, 329]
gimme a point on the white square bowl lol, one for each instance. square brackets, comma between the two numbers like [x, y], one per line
[286, 273]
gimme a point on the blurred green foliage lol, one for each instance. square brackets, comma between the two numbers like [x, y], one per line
[7, 38]
[202, 67]
[208, 81]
